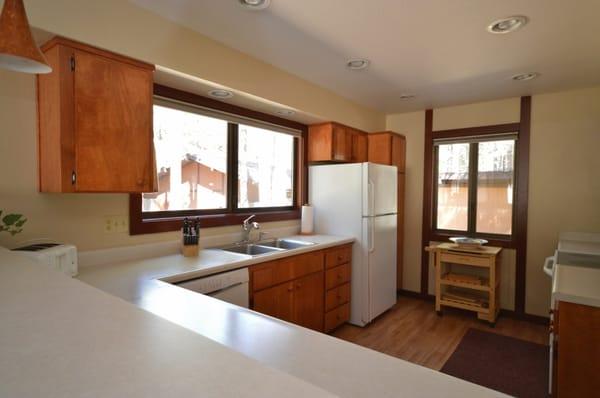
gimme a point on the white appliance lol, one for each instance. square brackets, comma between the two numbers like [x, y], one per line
[231, 286]
[574, 248]
[360, 200]
[61, 257]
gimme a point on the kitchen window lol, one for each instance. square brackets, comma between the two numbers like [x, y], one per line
[219, 165]
[474, 186]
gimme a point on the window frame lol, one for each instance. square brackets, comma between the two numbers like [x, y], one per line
[163, 221]
[521, 166]
[472, 184]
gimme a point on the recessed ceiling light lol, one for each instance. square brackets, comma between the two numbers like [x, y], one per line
[407, 96]
[525, 76]
[357, 63]
[285, 112]
[220, 93]
[255, 4]
[507, 25]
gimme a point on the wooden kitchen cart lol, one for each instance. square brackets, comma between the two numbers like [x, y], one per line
[468, 279]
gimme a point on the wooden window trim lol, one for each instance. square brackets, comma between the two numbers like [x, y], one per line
[437, 234]
[518, 240]
[140, 223]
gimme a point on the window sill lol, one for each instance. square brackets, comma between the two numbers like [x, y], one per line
[155, 225]
[506, 243]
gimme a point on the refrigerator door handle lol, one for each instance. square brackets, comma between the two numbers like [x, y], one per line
[371, 235]
[371, 189]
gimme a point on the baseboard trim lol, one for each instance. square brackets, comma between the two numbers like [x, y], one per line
[419, 295]
[541, 320]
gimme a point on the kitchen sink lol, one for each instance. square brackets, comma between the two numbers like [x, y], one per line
[286, 244]
[252, 249]
[266, 246]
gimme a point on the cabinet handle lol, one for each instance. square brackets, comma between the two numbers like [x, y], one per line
[291, 288]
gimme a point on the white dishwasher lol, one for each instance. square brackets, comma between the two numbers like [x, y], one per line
[230, 286]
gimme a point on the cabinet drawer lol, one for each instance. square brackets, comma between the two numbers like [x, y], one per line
[286, 269]
[337, 276]
[338, 256]
[337, 317]
[336, 297]
[465, 259]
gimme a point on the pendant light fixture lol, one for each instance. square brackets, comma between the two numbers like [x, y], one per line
[18, 50]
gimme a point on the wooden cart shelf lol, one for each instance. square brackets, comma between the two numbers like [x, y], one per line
[467, 291]
[484, 288]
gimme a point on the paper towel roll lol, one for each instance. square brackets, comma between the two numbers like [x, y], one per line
[307, 223]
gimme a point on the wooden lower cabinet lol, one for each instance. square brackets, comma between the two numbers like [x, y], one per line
[308, 301]
[576, 360]
[310, 290]
[277, 301]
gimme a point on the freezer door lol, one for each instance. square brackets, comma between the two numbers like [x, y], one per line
[380, 189]
[380, 237]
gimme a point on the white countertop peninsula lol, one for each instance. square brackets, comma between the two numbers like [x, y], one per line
[108, 347]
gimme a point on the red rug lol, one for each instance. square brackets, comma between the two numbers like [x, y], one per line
[512, 366]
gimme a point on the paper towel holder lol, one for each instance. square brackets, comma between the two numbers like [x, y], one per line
[307, 220]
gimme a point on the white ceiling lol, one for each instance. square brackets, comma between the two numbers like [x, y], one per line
[438, 50]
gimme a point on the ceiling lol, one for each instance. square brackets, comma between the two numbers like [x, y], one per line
[438, 50]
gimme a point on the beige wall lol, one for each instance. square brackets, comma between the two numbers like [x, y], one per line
[74, 218]
[122, 27]
[564, 190]
[564, 179]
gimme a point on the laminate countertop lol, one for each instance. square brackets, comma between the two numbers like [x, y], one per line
[576, 284]
[66, 338]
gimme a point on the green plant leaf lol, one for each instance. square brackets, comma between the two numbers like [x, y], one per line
[20, 222]
[10, 219]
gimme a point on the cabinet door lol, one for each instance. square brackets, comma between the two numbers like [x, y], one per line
[342, 144]
[359, 147]
[380, 150]
[308, 301]
[113, 125]
[277, 301]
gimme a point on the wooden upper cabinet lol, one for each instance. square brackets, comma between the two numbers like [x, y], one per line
[388, 148]
[359, 147]
[95, 121]
[334, 142]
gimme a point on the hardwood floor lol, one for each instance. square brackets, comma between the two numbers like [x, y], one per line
[411, 330]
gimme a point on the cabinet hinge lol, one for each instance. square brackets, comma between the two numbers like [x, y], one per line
[73, 178]
[72, 63]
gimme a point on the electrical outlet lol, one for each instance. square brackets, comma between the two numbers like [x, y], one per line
[116, 224]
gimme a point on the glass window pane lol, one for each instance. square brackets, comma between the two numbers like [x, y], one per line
[453, 187]
[495, 182]
[265, 168]
[191, 162]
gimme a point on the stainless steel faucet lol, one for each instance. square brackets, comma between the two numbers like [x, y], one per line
[247, 227]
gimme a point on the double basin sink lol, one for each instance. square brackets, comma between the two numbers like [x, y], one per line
[266, 246]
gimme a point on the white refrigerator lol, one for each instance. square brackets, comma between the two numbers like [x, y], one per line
[360, 200]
